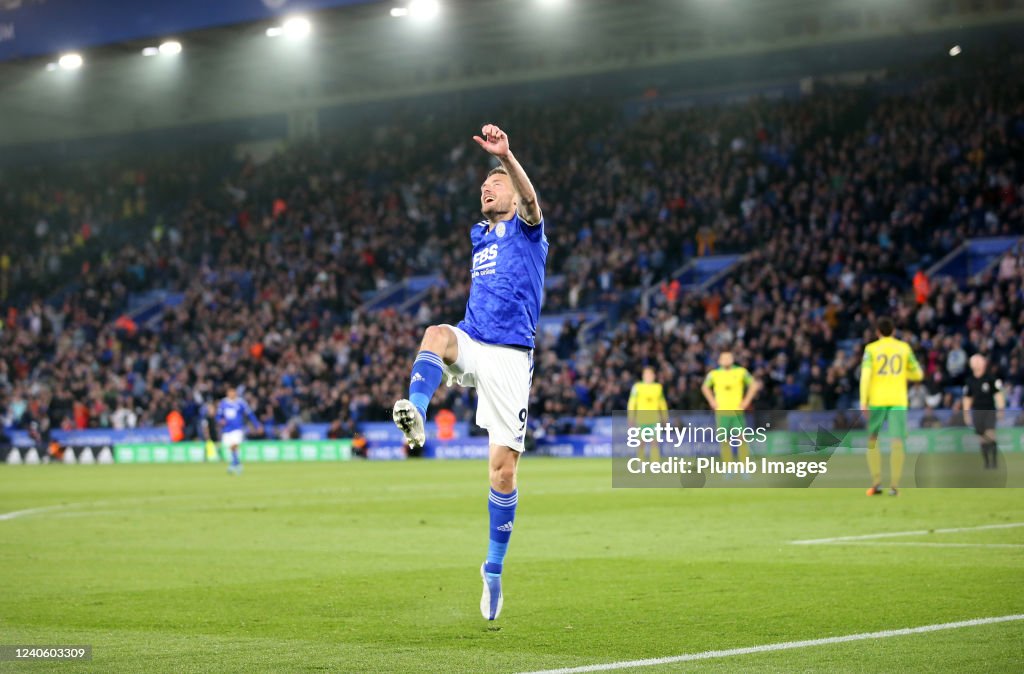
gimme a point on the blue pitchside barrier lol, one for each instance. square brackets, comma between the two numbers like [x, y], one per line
[385, 441]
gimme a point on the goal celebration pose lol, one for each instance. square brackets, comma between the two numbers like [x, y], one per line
[492, 347]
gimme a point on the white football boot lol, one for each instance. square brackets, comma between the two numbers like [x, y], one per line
[409, 421]
[492, 599]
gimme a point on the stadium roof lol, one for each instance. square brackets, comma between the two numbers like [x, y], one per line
[361, 53]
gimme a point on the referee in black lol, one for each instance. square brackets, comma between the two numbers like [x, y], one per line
[983, 401]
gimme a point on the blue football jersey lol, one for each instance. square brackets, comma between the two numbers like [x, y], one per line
[507, 287]
[234, 413]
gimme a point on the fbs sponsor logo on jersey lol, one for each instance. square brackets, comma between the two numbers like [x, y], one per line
[485, 261]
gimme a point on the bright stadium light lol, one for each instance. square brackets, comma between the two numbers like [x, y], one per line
[150, 51]
[399, 12]
[424, 9]
[955, 50]
[170, 48]
[297, 27]
[551, 3]
[70, 61]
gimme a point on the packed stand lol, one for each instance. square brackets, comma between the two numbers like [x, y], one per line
[836, 199]
[839, 233]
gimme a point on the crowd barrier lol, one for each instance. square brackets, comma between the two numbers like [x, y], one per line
[384, 442]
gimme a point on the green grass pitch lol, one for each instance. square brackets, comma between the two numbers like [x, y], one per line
[373, 567]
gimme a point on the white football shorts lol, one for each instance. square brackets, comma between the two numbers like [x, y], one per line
[502, 376]
[233, 438]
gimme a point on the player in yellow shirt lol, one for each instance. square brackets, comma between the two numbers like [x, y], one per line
[646, 408]
[887, 366]
[729, 390]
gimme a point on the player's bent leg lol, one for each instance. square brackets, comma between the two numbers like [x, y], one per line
[440, 339]
[439, 346]
[501, 508]
[502, 464]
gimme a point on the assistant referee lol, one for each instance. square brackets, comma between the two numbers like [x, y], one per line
[983, 402]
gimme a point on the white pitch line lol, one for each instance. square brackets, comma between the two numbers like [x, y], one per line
[32, 511]
[894, 534]
[783, 646]
[934, 545]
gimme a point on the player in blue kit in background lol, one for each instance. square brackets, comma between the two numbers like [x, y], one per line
[492, 347]
[231, 415]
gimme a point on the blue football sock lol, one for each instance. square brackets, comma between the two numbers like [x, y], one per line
[502, 508]
[427, 371]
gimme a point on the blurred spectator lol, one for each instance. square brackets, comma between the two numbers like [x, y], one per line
[929, 419]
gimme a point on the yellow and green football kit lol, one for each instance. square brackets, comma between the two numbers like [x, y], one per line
[646, 408]
[730, 386]
[888, 365]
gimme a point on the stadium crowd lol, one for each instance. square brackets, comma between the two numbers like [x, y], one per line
[836, 200]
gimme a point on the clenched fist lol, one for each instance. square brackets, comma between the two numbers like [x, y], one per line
[494, 140]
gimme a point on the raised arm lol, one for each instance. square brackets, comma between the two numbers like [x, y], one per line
[495, 142]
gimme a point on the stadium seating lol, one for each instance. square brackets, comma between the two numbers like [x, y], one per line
[233, 272]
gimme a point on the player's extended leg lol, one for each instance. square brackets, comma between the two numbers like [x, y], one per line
[990, 449]
[439, 346]
[654, 451]
[983, 446]
[501, 507]
[897, 454]
[236, 464]
[725, 451]
[876, 419]
[898, 431]
[743, 451]
[874, 465]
